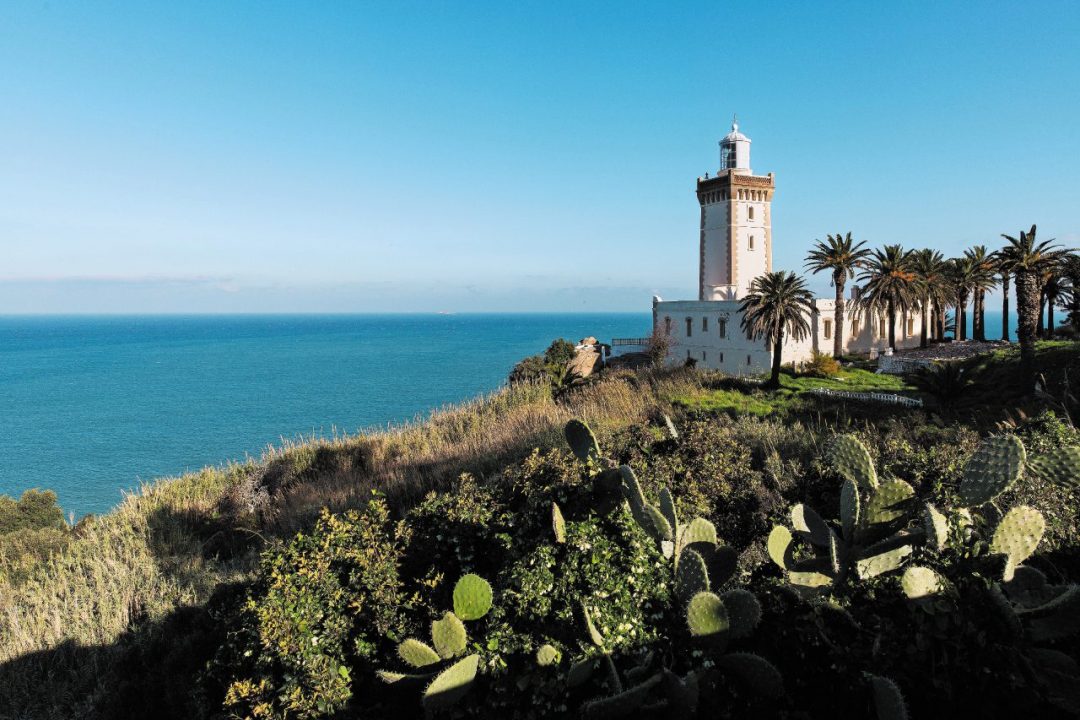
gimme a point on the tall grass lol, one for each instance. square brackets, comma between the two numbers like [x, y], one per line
[148, 557]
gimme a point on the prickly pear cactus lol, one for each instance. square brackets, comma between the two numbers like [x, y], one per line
[691, 575]
[849, 509]
[778, 543]
[888, 700]
[935, 528]
[920, 583]
[472, 597]
[558, 524]
[996, 465]
[744, 612]
[756, 672]
[1017, 536]
[547, 655]
[1059, 465]
[417, 654]
[449, 636]
[582, 442]
[706, 616]
[851, 460]
[451, 684]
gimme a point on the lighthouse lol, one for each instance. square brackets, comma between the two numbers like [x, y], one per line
[736, 227]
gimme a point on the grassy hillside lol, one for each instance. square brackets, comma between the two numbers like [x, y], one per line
[283, 588]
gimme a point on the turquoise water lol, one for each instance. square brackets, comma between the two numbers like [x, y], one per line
[91, 405]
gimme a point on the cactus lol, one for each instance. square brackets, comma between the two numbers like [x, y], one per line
[621, 704]
[1017, 536]
[472, 597]
[871, 540]
[935, 528]
[417, 654]
[888, 700]
[448, 636]
[759, 674]
[580, 672]
[582, 442]
[851, 460]
[1059, 465]
[472, 600]
[996, 465]
[547, 655]
[451, 684]
[558, 524]
[744, 612]
[594, 634]
[706, 616]
[920, 583]
[691, 575]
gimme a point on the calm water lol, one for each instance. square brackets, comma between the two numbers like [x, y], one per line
[91, 405]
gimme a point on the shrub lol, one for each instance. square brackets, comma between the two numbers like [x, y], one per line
[821, 365]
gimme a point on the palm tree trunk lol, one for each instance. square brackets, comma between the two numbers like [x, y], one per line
[923, 339]
[1027, 314]
[838, 331]
[892, 326]
[1041, 327]
[1050, 317]
[778, 347]
[980, 320]
[961, 318]
[1005, 307]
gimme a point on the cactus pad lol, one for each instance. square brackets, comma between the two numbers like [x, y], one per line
[622, 704]
[875, 565]
[809, 579]
[582, 442]
[851, 460]
[888, 700]
[995, 466]
[920, 582]
[558, 524]
[691, 575]
[698, 530]
[667, 508]
[806, 521]
[1059, 465]
[758, 673]
[547, 655]
[580, 672]
[1028, 587]
[849, 509]
[744, 611]
[661, 528]
[779, 542]
[396, 678]
[472, 597]
[448, 636]
[707, 616]
[935, 527]
[888, 503]
[417, 654]
[1017, 536]
[1057, 619]
[451, 684]
[594, 633]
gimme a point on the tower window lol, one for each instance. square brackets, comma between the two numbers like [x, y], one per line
[828, 329]
[721, 357]
[751, 242]
[667, 326]
[704, 324]
[723, 328]
[747, 359]
[702, 356]
[751, 212]
[689, 327]
[910, 326]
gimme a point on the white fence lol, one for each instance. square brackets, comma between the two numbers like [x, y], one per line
[888, 398]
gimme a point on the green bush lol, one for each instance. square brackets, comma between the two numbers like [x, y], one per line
[35, 509]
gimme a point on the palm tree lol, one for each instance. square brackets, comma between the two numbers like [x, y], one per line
[962, 272]
[890, 285]
[840, 255]
[1002, 266]
[1026, 259]
[1071, 270]
[982, 280]
[1055, 286]
[932, 288]
[778, 303]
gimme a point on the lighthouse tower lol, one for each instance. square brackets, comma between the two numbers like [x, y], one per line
[736, 227]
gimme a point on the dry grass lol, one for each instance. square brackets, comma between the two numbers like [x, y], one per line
[150, 556]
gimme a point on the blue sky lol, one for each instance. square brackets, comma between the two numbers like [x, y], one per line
[353, 157]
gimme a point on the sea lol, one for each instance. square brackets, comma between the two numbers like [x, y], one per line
[94, 405]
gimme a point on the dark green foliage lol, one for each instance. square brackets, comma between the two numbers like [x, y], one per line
[34, 510]
[31, 529]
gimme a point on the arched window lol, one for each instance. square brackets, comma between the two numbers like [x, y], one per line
[689, 327]
[667, 326]
[723, 327]
[751, 242]
[751, 211]
[704, 324]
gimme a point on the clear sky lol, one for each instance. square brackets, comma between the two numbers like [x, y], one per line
[351, 157]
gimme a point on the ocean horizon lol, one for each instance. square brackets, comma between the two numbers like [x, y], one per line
[98, 404]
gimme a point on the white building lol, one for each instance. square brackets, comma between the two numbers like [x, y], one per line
[736, 245]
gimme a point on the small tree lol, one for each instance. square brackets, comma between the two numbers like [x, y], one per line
[560, 352]
[660, 343]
